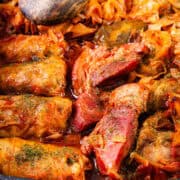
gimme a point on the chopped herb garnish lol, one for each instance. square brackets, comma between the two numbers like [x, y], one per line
[71, 160]
[29, 154]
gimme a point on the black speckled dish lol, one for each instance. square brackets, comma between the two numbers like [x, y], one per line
[11, 178]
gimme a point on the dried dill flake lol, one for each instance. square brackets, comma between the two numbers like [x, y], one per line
[71, 160]
[29, 154]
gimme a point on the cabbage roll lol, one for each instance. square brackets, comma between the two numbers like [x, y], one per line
[33, 116]
[21, 48]
[28, 159]
[46, 77]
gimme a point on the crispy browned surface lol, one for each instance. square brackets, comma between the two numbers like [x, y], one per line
[39, 161]
[33, 116]
[44, 77]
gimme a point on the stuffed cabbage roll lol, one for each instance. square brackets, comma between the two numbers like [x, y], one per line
[38, 161]
[46, 77]
[21, 48]
[155, 143]
[28, 115]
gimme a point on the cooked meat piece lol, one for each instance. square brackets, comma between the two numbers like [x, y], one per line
[132, 95]
[28, 115]
[114, 134]
[23, 48]
[88, 111]
[154, 143]
[112, 69]
[46, 77]
[112, 139]
[38, 161]
[95, 67]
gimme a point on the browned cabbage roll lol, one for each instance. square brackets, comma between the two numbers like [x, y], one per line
[46, 77]
[28, 159]
[21, 48]
[33, 116]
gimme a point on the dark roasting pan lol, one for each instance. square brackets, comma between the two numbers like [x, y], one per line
[11, 178]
